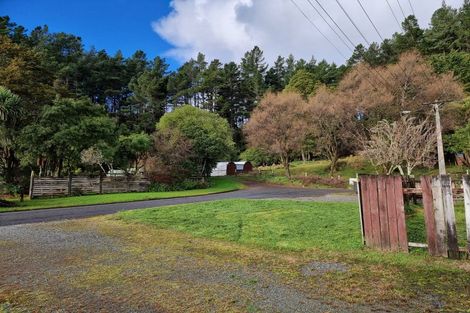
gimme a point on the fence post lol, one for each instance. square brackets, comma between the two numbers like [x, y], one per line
[449, 213]
[439, 217]
[429, 217]
[31, 185]
[101, 183]
[466, 194]
[70, 184]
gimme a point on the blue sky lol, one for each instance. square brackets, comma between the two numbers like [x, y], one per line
[105, 24]
[222, 29]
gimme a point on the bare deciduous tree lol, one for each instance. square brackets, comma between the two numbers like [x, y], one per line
[403, 144]
[333, 125]
[278, 125]
[384, 92]
[94, 156]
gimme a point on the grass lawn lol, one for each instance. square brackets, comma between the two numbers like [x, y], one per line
[347, 168]
[218, 184]
[273, 224]
[323, 231]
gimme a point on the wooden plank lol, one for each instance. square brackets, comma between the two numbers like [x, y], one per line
[383, 215]
[364, 180]
[429, 218]
[392, 214]
[439, 218]
[359, 201]
[466, 188]
[374, 212]
[449, 213]
[400, 211]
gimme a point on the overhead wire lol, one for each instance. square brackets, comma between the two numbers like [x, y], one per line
[327, 23]
[393, 13]
[370, 20]
[401, 9]
[352, 22]
[321, 33]
[411, 7]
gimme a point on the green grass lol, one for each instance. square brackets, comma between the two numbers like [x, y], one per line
[218, 184]
[417, 231]
[275, 224]
[347, 168]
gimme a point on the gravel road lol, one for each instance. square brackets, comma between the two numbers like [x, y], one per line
[104, 265]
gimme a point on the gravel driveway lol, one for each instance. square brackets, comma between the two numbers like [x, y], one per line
[104, 265]
[254, 191]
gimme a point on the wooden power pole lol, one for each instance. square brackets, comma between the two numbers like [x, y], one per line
[440, 145]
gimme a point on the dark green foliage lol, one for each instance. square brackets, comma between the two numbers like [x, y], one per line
[209, 136]
[258, 157]
[63, 130]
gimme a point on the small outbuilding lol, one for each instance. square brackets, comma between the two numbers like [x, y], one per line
[231, 168]
[244, 167]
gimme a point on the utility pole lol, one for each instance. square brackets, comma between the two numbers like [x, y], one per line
[440, 145]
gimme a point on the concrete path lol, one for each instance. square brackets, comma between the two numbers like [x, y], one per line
[254, 191]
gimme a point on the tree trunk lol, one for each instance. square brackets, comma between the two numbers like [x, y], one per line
[333, 164]
[304, 158]
[287, 166]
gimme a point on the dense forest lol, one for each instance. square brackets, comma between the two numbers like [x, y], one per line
[59, 99]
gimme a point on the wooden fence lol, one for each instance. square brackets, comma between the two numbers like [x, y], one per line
[383, 212]
[381, 200]
[78, 185]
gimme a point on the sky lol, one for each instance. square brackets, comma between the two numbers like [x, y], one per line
[222, 29]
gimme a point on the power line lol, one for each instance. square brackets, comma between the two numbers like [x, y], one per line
[383, 80]
[367, 41]
[336, 24]
[331, 27]
[411, 7]
[352, 22]
[370, 20]
[401, 9]
[318, 29]
[393, 13]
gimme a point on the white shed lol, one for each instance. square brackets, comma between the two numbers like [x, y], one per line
[220, 169]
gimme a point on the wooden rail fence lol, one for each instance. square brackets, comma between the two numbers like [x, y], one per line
[382, 209]
[78, 185]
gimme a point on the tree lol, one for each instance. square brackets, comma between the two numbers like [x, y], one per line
[333, 125]
[459, 142]
[63, 130]
[303, 82]
[277, 125]
[11, 112]
[148, 102]
[403, 144]
[258, 157]
[170, 161]
[406, 86]
[134, 148]
[209, 135]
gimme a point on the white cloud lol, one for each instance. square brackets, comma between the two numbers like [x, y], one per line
[226, 29]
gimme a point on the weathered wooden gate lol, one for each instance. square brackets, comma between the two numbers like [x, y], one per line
[383, 212]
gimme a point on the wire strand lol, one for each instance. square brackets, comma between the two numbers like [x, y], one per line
[393, 13]
[352, 22]
[370, 20]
